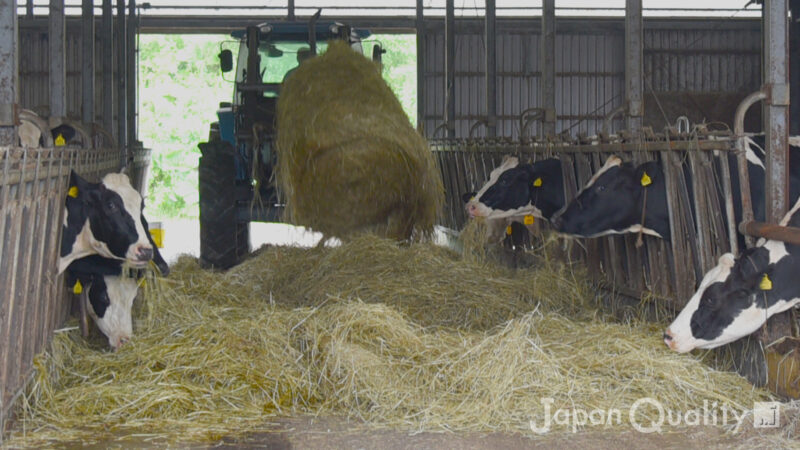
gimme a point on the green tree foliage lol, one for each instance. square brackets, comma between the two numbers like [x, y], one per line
[180, 91]
[181, 87]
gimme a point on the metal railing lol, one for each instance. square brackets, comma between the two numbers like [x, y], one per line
[33, 300]
[696, 208]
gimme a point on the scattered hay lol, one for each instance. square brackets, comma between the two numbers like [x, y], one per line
[410, 336]
[348, 159]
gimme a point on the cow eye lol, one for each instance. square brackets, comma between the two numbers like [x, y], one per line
[111, 206]
[601, 188]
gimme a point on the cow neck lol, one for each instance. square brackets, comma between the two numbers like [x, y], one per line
[639, 240]
[83, 242]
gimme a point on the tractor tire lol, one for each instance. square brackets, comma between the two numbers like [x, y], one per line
[223, 241]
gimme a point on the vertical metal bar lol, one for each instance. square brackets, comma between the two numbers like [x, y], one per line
[449, 68]
[776, 110]
[491, 69]
[122, 107]
[9, 265]
[131, 83]
[5, 302]
[9, 64]
[420, 65]
[29, 8]
[58, 75]
[290, 10]
[547, 58]
[794, 68]
[633, 63]
[106, 34]
[87, 69]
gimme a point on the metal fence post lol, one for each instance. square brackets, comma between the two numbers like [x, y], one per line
[547, 60]
[491, 69]
[87, 69]
[633, 63]
[56, 43]
[9, 64]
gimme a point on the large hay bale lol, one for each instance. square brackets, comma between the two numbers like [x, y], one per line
[348, 158]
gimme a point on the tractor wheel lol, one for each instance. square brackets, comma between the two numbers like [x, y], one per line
[223, 241]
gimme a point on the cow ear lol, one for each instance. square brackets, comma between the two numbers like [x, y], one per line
[77, 185]
[727, 260]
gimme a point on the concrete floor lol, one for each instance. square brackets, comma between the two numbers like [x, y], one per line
[333, 433]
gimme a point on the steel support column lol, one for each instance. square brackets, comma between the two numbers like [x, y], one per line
[547, 63]
[56, 45]
[449, 68]
[9, 63]
[776, 123]
[290, 10]
[122, 107]
[131, 82]
[87, 69]
[794, 68]
[491, 69]
[633, 64]
[107, 38]
[420, 25]
[776, 117]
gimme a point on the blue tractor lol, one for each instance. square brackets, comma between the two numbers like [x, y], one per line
[235, 173]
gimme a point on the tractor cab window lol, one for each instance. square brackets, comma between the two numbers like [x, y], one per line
[278, 60]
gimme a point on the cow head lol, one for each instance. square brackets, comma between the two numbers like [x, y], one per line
[513, 190]
[735, 298]
[106, 219]
[110, 304]
[611, 203]
[606, 202]
[109, 294]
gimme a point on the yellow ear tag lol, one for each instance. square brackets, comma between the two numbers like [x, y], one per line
[508, 230]
[158, 236]
[646, 181]
[537, 182]
[766, 284]
[78, 288]
[472, 198]
[528, 220]
[73, 191]
[60, 142]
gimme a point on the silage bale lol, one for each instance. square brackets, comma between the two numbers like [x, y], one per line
[348, 157]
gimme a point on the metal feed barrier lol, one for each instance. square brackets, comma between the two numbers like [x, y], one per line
[615, 261]
[33, 300]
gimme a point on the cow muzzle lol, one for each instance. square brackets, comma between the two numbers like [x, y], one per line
[118, 342]
[144, 253]
[668, 340]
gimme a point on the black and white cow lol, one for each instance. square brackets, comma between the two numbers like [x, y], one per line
[613, 199]
[515, 190]
[738, 295]
[110, 295]
[106, 219]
